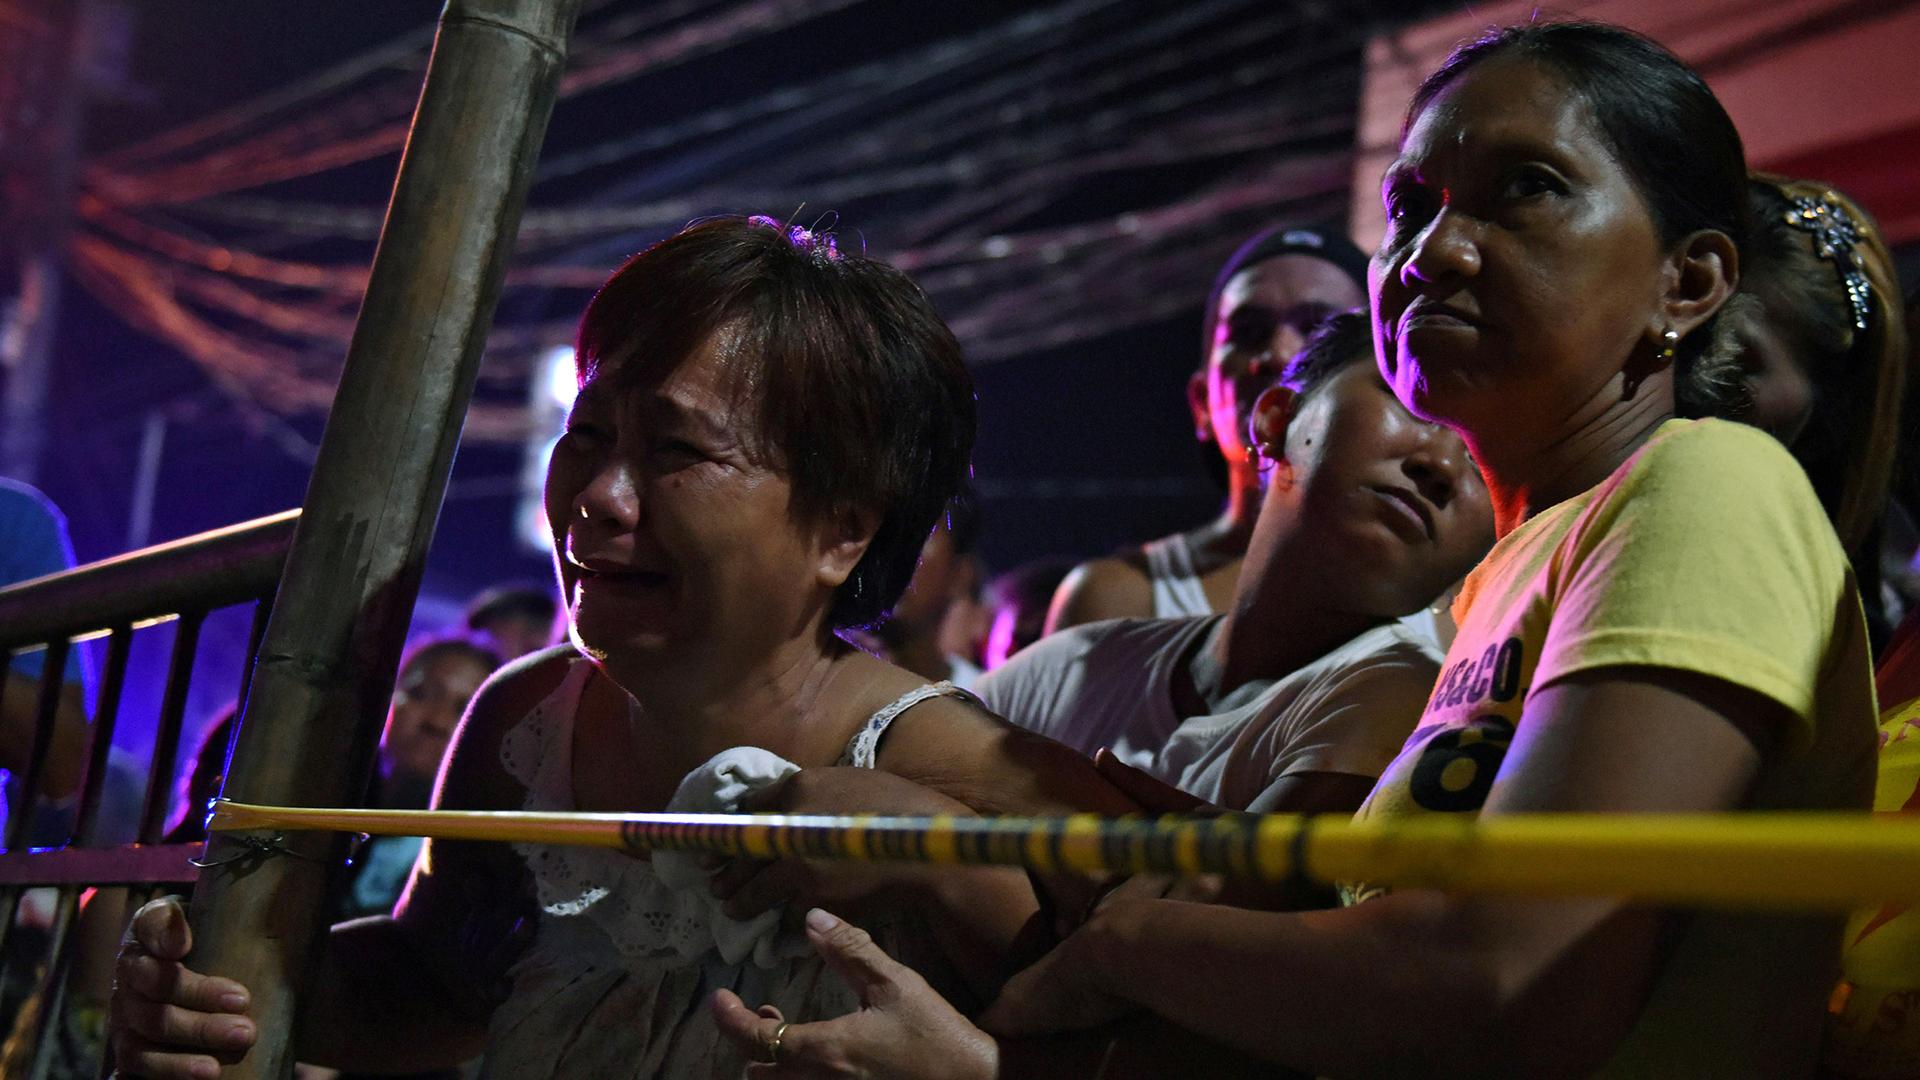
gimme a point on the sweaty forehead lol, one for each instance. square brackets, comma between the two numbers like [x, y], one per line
[1503, 108]
[716, 376]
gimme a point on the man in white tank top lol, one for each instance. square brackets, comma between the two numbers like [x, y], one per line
[1264, 302]
[1300, 695]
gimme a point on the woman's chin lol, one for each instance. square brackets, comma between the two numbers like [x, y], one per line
[621, 646]
[1438, 391]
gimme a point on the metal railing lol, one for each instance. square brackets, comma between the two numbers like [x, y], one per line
[180, 582]
[346, 578]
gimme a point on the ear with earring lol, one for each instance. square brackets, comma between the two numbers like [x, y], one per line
[1257, 455]
[1637, 369]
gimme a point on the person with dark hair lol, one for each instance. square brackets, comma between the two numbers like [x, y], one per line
[438, 678]
[1823, 350]
[1016, 603]
[514, 620]
[1298, 697]
[918, 634]
[1666, 624]
[765, 433]
[1270, 294]
[34, 543]
[200, 785]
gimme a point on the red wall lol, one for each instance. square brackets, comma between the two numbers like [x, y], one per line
[1824, 89]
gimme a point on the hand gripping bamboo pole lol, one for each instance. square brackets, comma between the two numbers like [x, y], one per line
[1754, 861]
[326, 666]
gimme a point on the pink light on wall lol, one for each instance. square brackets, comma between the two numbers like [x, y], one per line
[1823, 89]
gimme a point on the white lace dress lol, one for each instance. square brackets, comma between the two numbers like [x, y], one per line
[616, 982]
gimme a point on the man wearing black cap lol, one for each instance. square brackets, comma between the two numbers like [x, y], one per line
[1264, 302]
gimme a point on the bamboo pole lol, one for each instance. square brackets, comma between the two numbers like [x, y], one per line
[326, 667]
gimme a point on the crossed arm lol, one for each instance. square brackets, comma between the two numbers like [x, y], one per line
[1409, 984]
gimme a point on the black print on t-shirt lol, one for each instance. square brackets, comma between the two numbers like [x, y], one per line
[1495, 675]
[1456, 768]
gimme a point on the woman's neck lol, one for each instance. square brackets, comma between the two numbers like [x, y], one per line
[780, 704]
[1528, 475]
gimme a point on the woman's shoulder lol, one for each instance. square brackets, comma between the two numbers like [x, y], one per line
[1717, 452]
[520, 685]
[1113, 587]
[475, 776]
[954, 744]
[1714, 478]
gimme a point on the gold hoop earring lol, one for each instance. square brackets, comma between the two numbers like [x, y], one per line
[1669, 344]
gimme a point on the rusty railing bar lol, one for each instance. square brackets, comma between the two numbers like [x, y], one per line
[24, 799]
[9, 912]
[106, 712]
[49, 989]
[166, 737]
[129, 864]
[26, 794]
[211, 570]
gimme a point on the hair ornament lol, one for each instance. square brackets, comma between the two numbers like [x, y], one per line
[818, 241]
[1835, 237]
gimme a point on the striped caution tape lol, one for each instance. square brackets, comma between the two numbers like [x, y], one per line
[1747, 860]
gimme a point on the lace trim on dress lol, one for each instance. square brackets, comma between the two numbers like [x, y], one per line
[561, 888]
[620, 895]
[864, 747]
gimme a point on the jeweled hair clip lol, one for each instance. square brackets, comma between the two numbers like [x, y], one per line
[1836, 238]
[817, 242]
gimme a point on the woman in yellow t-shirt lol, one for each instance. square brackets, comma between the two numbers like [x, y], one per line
[1667, 624]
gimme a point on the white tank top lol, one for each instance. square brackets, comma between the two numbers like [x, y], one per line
[1176, 586]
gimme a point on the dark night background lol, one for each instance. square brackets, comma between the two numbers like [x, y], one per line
[1118, 151]
[1084, 445]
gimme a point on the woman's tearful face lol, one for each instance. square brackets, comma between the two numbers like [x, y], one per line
[672, 529]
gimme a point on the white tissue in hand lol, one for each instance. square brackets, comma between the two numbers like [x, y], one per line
[719, 787]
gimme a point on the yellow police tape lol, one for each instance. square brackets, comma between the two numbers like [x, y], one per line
[1803, 861]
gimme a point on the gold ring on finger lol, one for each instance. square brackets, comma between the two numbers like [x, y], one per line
[773, 1044]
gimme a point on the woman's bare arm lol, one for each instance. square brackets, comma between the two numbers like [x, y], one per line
[993, 766]
[1110, 588]
[413, 990]
[1428, 984]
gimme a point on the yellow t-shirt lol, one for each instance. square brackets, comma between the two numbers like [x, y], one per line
[1873, 1026]
[1706, 551]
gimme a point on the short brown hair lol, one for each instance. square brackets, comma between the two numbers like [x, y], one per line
[859, 387]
